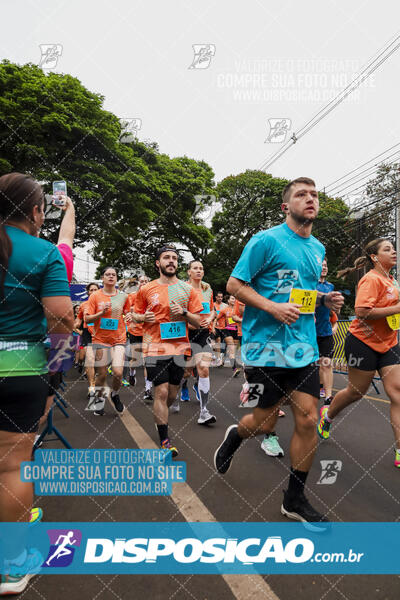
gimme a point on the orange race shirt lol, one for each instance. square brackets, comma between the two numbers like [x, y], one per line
[220, 321]
[207, 301]
[333, 317]
[81, 314]
[375, 291]
[134, 328]
[120, 305]
[159, 338]
[226, 315]
[238, 313]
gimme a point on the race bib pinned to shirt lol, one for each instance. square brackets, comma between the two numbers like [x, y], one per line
[173, 330]
[109, 324]
[394, 321]
[307, 299]
[206, 308]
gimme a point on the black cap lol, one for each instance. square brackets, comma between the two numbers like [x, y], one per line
[166, 248]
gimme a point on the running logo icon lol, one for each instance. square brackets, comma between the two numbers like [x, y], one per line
[129, 130]
[205, 204]
[330, 471]
[203, 53]
[278, 130]
[286, 280]
[50, 55]
[63, 543]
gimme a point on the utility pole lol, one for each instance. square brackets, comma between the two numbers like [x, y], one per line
[398, 241]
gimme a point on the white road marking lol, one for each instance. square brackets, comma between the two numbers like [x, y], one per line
[243, 587]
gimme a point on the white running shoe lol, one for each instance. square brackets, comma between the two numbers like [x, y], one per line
[206, 418]
[96, 402]
[175, 406]
[271, 446]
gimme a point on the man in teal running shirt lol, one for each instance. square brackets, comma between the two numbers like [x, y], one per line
[276, 277]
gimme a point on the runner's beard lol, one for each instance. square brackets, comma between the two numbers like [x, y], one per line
[167, 273]
[300, 219]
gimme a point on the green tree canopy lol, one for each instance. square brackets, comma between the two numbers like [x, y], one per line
[128, 196]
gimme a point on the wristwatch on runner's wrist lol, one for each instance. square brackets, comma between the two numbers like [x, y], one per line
[185, 312]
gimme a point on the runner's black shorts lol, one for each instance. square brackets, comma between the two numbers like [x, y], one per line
[220, 333]
[231, 333]
[135, 339]
[360, 356]
[270, 384]
[325, 345]
[199, 340]
[163, 370]
[86, 338]
[22, 402]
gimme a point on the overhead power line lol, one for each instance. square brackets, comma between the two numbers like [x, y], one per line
[332, 184]
[372, 66]
[368, 175]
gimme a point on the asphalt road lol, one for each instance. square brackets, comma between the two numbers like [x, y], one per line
[366, 489]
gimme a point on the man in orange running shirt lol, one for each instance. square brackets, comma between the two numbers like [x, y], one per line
[165, 306]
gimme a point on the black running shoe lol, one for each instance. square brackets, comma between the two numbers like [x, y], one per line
[224, 454]
[299, 509]
[119, 407]
[132, 380]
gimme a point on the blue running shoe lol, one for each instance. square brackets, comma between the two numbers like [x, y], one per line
[185, 394]
[196, 391]
[15, 578]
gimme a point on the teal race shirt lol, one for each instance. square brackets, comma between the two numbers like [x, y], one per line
[273, 262]
[35, 270]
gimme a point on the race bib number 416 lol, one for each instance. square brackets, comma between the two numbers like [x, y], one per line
[174, 330]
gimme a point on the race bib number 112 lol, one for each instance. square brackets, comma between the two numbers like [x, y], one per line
[307, 299]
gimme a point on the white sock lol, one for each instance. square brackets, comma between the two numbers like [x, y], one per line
[148, 384]
[113, 393]
[204, 388]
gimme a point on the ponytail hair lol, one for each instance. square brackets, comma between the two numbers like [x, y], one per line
[19, 193]
[363, 261]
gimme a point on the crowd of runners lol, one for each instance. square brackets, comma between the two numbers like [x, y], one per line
[273, 326]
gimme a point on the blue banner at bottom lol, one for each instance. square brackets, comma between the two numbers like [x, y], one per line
[212, 548]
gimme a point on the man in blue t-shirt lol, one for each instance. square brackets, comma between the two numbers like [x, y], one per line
[276, 277]
[324, 338]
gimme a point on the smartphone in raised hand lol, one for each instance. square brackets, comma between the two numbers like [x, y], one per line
[59, 193]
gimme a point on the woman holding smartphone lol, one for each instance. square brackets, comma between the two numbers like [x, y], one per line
[34, 299]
